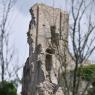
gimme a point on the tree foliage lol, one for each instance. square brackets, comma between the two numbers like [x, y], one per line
[87, 72]
[7, 88]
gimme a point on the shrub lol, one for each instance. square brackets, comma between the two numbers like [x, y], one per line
[7, 88]
[88, 72]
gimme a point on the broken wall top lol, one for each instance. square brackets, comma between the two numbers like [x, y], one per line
[48, 16]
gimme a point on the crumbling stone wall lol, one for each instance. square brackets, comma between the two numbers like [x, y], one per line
[40, 73]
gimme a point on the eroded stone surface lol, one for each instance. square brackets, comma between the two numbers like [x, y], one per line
[40, 73]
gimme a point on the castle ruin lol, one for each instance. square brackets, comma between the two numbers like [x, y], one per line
[47, 37]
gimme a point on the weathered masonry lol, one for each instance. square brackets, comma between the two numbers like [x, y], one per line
[47, 36]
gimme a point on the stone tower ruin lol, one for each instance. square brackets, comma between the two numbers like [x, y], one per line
[47, 36]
